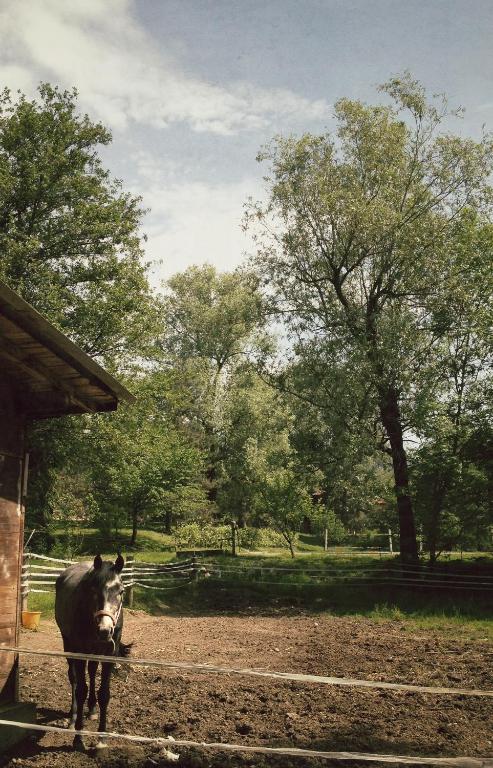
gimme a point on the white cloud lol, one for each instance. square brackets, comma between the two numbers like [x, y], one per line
[192, 222]
[199, 223]
[122, 75]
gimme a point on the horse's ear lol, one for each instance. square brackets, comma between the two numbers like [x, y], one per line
[119, 563]
[98, 562]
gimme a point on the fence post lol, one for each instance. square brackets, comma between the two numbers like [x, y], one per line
[326, 539]
[233, 537]
[130, 591]
[195, 570]
[24, 582]
[391, 548]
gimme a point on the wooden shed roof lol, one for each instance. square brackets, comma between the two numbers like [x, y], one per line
[51, 375]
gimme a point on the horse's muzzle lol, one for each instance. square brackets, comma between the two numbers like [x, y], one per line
[105, 624]
[105, 633]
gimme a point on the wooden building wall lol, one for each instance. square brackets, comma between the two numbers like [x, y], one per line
[11, 533]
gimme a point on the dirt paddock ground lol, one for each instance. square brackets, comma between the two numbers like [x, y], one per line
[247, 710]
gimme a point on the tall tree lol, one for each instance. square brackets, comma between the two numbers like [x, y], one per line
[140, 465]
[70, 244]
[450, 475]
[69, 234]
[335, 430]
[352, 244]
[212, 321]
[255, 439]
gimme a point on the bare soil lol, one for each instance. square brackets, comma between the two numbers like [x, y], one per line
[247, 710]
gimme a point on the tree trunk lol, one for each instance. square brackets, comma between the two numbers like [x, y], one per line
[211, 472]
[168, 520]
[435, 519]
[135, 522]
[290, 542]
[241, 516]
[211, 475]
[391, 419]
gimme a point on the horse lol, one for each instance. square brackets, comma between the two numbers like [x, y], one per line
[88, 611]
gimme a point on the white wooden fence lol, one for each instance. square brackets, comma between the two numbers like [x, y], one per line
[40, 572]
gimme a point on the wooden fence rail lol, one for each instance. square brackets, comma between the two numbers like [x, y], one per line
[156, 576]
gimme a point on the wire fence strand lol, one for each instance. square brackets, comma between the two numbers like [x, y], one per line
[270, 674]
[453, 762]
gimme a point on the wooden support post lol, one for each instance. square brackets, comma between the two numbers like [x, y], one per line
[391, 548]
[130, 590]
[195, 571]
[326, 539]
[233, 537]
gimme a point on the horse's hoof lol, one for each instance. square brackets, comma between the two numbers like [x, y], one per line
[92, 716]
[69, 724]
[78, 744]
[101, 745]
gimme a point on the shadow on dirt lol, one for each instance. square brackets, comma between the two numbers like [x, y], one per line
[361, 739]
[230, 598]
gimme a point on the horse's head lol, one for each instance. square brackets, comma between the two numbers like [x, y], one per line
[105, 595]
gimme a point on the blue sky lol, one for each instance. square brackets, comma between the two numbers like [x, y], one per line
[192, 88]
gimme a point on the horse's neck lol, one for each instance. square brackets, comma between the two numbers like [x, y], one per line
[83, 619]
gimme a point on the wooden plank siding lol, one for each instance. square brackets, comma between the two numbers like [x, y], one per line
[11, 534]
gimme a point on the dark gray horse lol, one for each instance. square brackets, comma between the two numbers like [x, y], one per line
[88, 611]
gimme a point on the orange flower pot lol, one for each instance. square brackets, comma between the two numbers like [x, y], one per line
[30, 619]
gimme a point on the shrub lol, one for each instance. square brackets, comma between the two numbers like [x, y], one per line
[260, 538]
[206, 536]
[219, 537]
[321, 518]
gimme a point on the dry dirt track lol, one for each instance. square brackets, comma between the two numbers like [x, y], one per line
[207, 707]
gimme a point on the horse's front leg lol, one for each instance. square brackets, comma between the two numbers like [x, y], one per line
[80, 697]
[73, 706]
[92, 668]
[103, 699]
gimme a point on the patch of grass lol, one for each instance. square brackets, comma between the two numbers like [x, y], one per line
[253, 581]
[43, 603]
[386, 612]
[90, 541]
[472, 622]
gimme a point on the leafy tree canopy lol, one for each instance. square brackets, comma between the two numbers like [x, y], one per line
[69, 234]
[354, 247]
